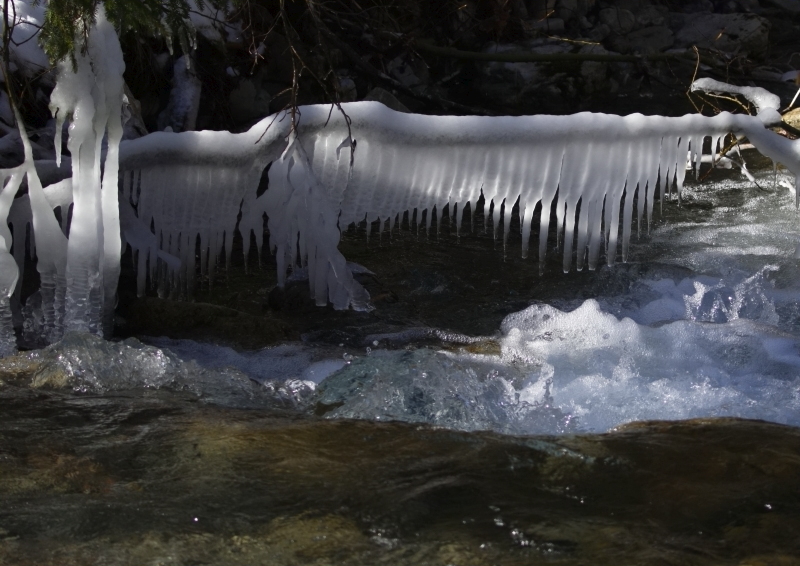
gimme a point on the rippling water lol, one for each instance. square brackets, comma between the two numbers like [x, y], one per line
[426, 446]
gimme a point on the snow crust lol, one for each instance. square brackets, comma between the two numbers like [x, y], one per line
[405, 162]
[189, 187]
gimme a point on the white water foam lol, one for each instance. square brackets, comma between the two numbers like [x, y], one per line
[716, 334]
[605, 371]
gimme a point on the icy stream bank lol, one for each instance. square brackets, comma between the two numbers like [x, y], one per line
[711, 329]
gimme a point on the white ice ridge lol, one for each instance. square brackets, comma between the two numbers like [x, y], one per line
[761, 98]
[189, 184]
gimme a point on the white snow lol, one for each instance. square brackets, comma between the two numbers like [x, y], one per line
[761, 98]
[26, 54]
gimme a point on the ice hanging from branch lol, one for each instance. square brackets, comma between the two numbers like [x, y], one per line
[9, 273]
[331, 168]
[91, 97]
[78, 277]
[187, 187]
[367, 162]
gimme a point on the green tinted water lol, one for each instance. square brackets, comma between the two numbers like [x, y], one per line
[156, 478]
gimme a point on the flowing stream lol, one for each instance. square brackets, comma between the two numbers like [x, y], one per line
[521, 443]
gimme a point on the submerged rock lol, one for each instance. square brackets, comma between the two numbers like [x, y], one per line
[143, 480]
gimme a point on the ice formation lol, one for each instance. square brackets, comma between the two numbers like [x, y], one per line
[330, 167]
[367, 162]
[78, 275]
[189, 186]
[91, 96]
[9, 272]
[761, 98]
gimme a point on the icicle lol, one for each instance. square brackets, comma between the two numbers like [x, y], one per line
[774, 175]
[410, 164]
[9, 272]
[92, 96]
[525, 225]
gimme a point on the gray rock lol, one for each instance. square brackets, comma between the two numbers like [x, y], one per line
[550, 25]
[516, 85]
[569, 10]
[347, 88]
[180, 115]
[410, 71]
[539, 9]
[619, 43]
[651, 39]
[620, 21]
[650, 15]
[698, 6]
[791, 6]
[132, 122]
[676, 20]
[599, 32]
[749, 6]
[630, 5]
[731, 33]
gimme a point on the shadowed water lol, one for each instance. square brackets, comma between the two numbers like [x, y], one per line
[160, 479]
